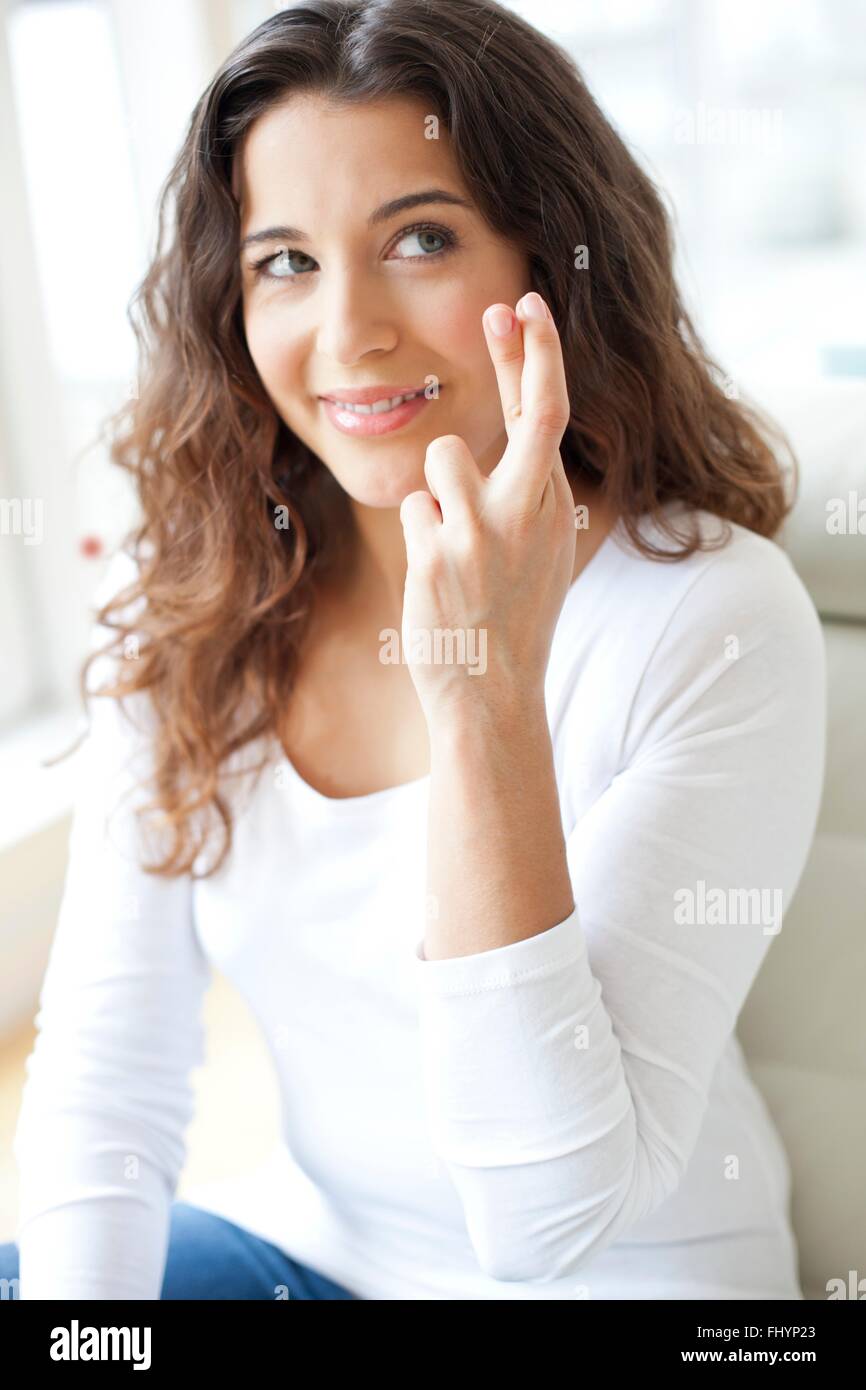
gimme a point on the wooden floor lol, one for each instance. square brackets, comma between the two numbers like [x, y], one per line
[237, 1111]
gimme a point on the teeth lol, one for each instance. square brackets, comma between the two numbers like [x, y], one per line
[378, 407]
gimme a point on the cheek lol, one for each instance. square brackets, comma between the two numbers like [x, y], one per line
[272, 350]
[454, 331]
[463, 345]
[476, 407]
[451, 324]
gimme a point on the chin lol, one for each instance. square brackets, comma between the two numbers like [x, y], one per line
[381, 486]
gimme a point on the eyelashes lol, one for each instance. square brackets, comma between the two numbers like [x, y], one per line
[450, 238]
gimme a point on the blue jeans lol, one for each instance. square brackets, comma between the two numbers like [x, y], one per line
[209, 1257]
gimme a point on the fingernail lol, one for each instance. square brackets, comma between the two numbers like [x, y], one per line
[500, 322]
[534, 306]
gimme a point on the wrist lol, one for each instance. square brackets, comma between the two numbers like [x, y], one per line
[462, 728]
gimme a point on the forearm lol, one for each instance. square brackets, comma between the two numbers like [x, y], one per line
[497, 870]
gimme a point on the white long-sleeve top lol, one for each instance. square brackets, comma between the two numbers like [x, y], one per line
[566, 1116]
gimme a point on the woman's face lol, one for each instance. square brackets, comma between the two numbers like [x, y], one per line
[351, 297]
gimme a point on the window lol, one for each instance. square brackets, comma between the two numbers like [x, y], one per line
[750, 117]
[94, 99]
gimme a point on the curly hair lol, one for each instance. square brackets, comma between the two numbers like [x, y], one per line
[224, 594]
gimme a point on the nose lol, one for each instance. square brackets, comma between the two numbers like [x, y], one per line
[355, 316]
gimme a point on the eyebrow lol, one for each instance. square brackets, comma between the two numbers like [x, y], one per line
[381, 214]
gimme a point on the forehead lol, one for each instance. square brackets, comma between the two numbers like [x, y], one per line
[327, 158]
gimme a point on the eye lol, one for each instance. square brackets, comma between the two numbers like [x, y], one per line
[260, 267]
[423, 231]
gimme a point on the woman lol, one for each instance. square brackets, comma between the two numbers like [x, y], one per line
[537, 698]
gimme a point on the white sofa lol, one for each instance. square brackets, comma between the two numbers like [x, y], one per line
[803, 1028]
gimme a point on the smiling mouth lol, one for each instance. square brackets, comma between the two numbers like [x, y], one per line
[378, 407]
[376, 416]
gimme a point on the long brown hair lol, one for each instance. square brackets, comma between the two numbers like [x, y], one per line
[223, 594]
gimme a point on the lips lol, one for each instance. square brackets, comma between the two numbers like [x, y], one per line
[369, 423]
[368, 395]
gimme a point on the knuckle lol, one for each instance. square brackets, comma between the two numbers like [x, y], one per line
[522, 516]
[466, 540]
[444, 444]
[441, 463]
[507, 355]
[550, 417]
[411, 502]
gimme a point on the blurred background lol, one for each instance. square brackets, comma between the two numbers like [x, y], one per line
[749, 114]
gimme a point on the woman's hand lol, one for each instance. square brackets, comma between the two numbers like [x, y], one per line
[490, 559]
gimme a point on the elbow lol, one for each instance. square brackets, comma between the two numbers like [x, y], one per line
[523, 1250]
[522, 1242]
[566, 1254]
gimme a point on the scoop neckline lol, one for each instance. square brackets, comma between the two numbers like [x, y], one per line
[344, 805]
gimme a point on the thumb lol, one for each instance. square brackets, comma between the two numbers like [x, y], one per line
[421, 519]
